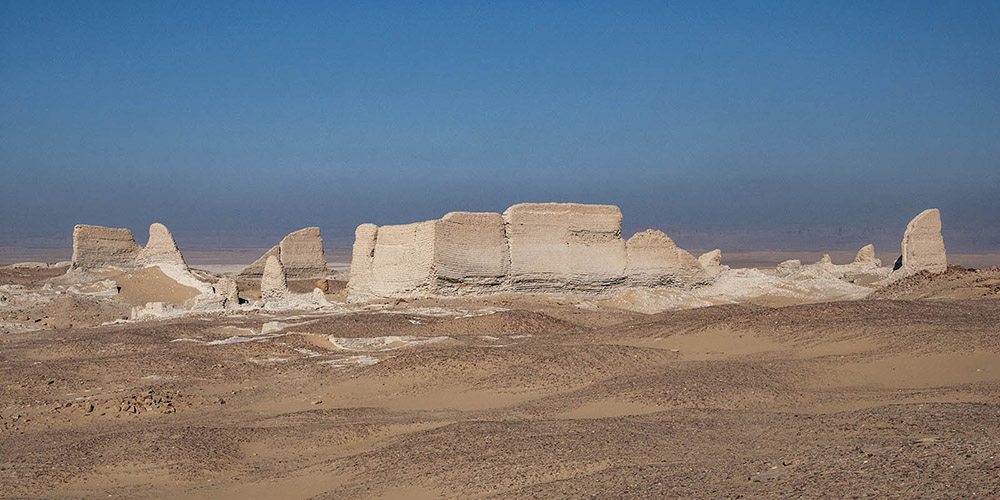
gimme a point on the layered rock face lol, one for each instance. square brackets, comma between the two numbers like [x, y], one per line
[554, 246]
[531, 247]
[161, 248]
[654, 259]
[403, 260]
[470, 248]
[301, 254]
[923, 245]
[98, 246]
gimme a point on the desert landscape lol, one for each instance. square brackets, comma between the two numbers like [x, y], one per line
[531, 354]
[451, 250]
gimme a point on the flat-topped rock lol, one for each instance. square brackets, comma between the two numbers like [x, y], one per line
[98, 246]
[470, 248]
[555, 246]
[923, 245]
[530, 248]
[301, 254]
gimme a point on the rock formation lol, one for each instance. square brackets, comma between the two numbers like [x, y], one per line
[470, 248]
[866, 256]
[560, 246]
[789, 267]
[273, 283]
[362, 274]
[865, 269]
[711, 262]
[227, 288]
[256, 268]
[531, 247]
[654, 259]
[160, 249]
[923, 245]
[300, 252]
[97, 246]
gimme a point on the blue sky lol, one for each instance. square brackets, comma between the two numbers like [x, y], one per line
[260, 118]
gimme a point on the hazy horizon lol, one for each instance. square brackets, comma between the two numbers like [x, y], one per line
[766, 126]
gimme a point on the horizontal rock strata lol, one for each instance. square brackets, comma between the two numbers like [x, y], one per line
[531, 247]
[98, 246]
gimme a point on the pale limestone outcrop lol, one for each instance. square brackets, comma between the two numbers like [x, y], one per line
[403, 260]
[923, 245]
[160, 249]
[273, 283]
[866, 256]
[228, 289]
[362, 275]
[99, 246]
[532, 248]
[711, 262]
[654, 259]
[470, 249]
[789, 267]
[866, 268]
[565, 246]
[256, 268]
[300, 252]
[151, 310]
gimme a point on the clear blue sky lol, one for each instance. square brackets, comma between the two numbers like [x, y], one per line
[267, 117]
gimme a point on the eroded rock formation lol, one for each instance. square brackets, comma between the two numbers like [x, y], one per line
[160, 249]
[300, 252]
[923, 245]
[711, 262]
[654, 259]
[98, 246]
[273, 282]
[531, 247]
[866, 256]
[565, 246]
[228, 289]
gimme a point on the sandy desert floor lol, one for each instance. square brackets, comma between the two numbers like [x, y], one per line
[896, 395]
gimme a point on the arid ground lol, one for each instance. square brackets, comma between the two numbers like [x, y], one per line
[893, 396]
